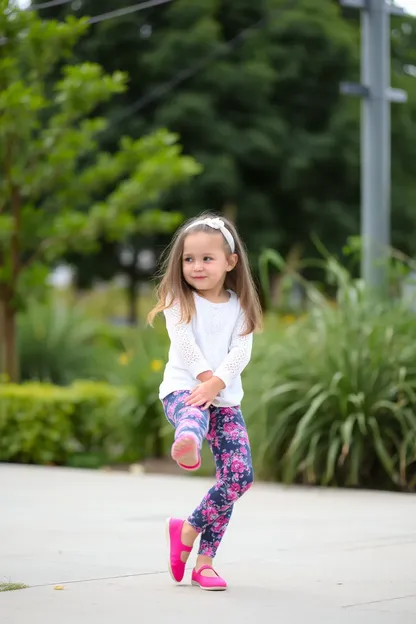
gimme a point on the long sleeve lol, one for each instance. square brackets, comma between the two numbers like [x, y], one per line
[183, 340]
[238, 355]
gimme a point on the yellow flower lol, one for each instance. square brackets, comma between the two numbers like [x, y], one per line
[156, 365]
[289, 318]
[124, 359]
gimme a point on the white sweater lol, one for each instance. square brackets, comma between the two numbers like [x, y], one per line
[211, 341]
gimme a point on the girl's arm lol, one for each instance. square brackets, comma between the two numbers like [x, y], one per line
[239, 354]
[232, 365]
[183, 339]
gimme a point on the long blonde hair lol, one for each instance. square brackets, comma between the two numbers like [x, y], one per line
[173, 287]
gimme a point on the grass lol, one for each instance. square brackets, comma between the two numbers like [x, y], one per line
[12, 586]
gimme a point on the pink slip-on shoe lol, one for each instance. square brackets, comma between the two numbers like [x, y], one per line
[209, 583]
[185, 449]
[175, 548]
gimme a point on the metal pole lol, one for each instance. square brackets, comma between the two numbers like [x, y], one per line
[375, 144]
[376, 95]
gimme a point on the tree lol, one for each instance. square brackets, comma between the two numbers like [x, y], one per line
[279, 144]
[58, 192]
[264, 114]
[403, 44]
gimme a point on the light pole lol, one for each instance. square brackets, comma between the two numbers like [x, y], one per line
[376, 95]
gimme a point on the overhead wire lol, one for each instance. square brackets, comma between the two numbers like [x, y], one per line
[188, 72]
[184, 74]
[102, 17]
[126, 11]
[47, 5]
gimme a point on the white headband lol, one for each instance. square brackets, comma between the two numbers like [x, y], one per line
[216, 224]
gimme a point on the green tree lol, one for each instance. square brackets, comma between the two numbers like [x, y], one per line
[263, 114]
[59, 192]
[279, 144]
[403, 45]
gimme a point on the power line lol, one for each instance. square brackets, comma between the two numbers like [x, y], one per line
[188, 72]
[47, 5]
[103, 16]
[184, 74]
[126, 11]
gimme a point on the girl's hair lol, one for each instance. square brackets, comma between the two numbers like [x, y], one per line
[173, 287]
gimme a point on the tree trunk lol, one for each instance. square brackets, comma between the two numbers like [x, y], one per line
[276, 290]
[230, 211]
[132, 307]
[8, 290]
[292, 263]
[9, 358]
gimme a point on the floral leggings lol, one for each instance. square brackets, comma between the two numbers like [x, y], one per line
[226, 433]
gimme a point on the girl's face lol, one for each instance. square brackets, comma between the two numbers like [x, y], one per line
[205, 262]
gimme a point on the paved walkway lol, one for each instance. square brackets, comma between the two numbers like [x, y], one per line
[292, 555]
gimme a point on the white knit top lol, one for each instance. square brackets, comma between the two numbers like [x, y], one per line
[211, 341]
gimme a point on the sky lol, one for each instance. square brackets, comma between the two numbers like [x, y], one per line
[409, 5]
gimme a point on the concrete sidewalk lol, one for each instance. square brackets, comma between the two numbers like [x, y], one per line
[291, 555]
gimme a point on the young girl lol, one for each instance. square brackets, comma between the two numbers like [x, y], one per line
[211, 309]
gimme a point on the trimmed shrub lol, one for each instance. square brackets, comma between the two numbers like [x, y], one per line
[46, 424]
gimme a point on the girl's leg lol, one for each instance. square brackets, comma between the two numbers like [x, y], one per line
[228, 439]
[187, 421]
[190, 423]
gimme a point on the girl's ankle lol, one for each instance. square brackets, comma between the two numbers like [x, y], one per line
[189, 534]
[203, 560]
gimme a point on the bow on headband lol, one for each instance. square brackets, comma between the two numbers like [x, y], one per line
[216, 224]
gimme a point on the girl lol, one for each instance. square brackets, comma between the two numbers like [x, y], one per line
[211, 309]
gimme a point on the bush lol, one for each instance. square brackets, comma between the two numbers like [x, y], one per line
[57, 343]
[43, 424]
[80, 424]
[140, 368]
[333, 400]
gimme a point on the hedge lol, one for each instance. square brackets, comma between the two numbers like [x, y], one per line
[46, 424]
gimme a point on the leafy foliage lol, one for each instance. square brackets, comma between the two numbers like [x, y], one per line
[140, 369]
[336, 393]
[58, 191]
[42, 424]
[278, 144]
[59, 344]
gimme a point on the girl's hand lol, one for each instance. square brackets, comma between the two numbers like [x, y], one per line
[205, 376]
[203, 395]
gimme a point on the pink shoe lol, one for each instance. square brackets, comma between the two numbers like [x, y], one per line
[209, 583]
[175, 546]
[186, 449]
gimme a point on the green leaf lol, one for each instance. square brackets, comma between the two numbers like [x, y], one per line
[382, 452]
[310, 414]
[332, 455]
